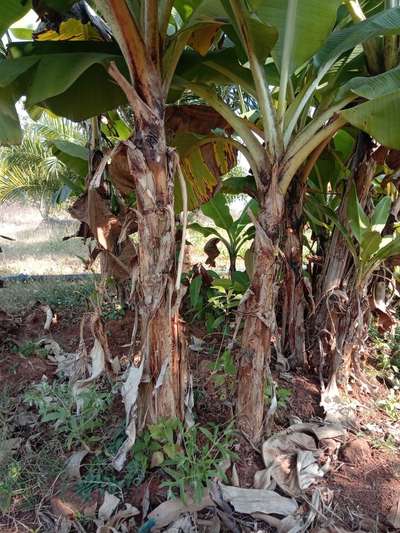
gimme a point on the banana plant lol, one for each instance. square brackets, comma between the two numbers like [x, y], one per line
[371, 248]
[82, 78]
[236, 232]
[294, 123]
[275, 59]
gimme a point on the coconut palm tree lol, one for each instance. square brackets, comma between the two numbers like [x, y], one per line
[32, 170]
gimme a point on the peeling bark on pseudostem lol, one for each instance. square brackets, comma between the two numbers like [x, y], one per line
[340, 304]
[259, 316]
[152, 168]
[293, 332]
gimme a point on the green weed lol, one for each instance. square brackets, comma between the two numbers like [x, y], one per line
[193, 455]
[56, 405]
[391, 405]
[283, 395]
[30, 349]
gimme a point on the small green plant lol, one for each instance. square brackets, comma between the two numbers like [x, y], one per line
[113, 311]
[283, 395]
[233, 234]
[101, 476]
[30, 349]
[214, 300]
[387, 353]
[223, 369]
[388, 443]
[193, 455]
[56, 404]
[10, 480]
[391, 405]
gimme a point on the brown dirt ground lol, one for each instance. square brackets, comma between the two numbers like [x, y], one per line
[367, 489]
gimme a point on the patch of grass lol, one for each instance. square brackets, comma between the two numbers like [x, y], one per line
[27, 471]
[30, 349]
[58, 294]
[27, 477]
[384, 443]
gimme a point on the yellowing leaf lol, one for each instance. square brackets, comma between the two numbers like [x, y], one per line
[70, 30]
[201, 40]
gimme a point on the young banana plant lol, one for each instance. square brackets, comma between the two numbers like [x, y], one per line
[236, 232]
[372, 248]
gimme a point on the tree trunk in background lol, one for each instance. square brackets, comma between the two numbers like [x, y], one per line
[258, 309]
[163, 387]
[335, 298]
[44, 208]
[292, 321]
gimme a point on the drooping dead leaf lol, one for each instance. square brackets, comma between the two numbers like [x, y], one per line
[61, 508]
[120, 173]
[201, 40]
[97, 357]
[110, 231]
[8, 447]
[198, 119]
[184, 524]
[235, 476]
[378, 306]
[211, 525]
[211, 250]
[129, 392]
[292, 458]
[49, 317]
[107, 508]
[393, 159]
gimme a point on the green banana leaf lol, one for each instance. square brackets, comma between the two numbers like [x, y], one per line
[75, 156]
[373, 86]
[379, 118]
[11, 11]
[386, 22]
[313, 23]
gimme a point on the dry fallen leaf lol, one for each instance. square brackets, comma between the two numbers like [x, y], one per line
[393, 516]
[250, 501]
[61, 508]
[167, 512]
[73, 464]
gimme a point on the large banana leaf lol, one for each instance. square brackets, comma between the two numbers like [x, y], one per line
[313, 24]
[221, 67]
[218, 210]
[58, 5]
[10, 129]
[379, 118]
[373, 86]
[262, 34]
[11, 11]
[75, 156]
[386, 22]
[381, 214]
[68, 78]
